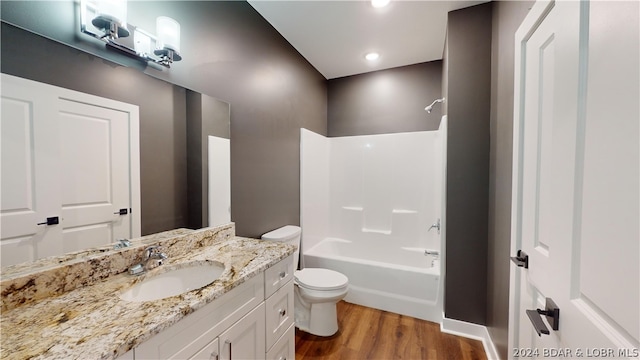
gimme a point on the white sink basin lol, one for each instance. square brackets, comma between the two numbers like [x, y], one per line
[174, 281]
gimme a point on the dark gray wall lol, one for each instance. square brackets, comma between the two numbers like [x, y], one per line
[207, 116]
[162, 115]
[468, 63]
[230, 53]
[386, 101]
[507, 16]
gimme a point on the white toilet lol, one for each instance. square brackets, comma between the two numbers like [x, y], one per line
[316, 290]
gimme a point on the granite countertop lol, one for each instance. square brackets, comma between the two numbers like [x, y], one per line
[90, 321]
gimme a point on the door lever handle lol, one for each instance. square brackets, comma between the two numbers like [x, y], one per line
[521, 259]
[50, 221]
[551, 311]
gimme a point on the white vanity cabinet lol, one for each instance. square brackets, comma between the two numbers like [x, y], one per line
[280, 331]
[245, 339]
[244, 323]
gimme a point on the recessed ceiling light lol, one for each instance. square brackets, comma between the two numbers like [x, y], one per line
[372, 56]
[380, 3]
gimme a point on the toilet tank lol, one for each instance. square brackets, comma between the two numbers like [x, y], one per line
[289, 234]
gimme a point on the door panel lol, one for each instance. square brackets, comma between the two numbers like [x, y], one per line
[67, 155]
[576, 177]
[609, 247]
[28, 173]
[82, 237]
[95, 163]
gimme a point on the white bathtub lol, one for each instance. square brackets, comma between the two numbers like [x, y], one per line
[399, 280]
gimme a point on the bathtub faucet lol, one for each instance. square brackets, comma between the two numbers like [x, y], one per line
[435, 225]
[434, 253]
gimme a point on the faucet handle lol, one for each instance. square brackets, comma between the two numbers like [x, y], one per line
[435, 225]
[154, 251]
[151, 250]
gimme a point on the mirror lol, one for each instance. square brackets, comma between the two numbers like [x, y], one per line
[173, 160]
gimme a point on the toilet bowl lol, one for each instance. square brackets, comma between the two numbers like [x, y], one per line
[316, 290]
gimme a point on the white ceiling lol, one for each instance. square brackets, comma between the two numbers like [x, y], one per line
[334, 36]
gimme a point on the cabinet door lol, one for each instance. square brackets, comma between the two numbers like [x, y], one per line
[209, 352]
[285, 348]
[246, 338]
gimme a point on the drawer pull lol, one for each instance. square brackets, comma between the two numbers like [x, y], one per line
[282, 312]
[283, 275]
[214, 356]
[282, 358]
[229, 342]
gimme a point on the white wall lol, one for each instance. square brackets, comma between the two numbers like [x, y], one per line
[374, 189]
[314, 188]
[219, 181]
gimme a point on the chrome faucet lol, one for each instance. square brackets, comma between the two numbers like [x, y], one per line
[154, 253]
[122, 243]
[153, 257]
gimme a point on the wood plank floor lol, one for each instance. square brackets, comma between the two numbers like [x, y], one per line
[367, 333]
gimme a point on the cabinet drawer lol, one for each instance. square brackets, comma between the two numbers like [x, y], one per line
[285, 348]
[278, 275]
[279, 313]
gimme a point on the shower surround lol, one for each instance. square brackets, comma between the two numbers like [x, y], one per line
[367, 203]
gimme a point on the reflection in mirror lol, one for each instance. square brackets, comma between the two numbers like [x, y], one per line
[107, 21]
[87, 177]
[78, 192]
[174, 156]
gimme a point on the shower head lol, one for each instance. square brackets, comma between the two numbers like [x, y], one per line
[430, 107]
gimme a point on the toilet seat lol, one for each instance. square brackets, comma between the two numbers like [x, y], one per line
[320, 279]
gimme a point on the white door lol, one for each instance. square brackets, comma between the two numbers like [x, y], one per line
[29, 181]
[576, 180]
[69, 156]
[94, 177]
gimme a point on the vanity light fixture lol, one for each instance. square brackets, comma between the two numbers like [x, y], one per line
[107, 20]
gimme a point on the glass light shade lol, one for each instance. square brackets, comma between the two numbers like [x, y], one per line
[168, 33]
[142, 42]
[113, 10]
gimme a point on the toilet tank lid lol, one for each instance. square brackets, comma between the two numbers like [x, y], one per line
[282, 234]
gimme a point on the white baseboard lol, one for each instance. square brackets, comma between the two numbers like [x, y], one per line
[471, 331]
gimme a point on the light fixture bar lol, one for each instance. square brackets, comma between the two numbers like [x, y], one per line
[108, 29]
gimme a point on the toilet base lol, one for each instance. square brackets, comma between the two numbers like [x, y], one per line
[320, 319]
[322, 322]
